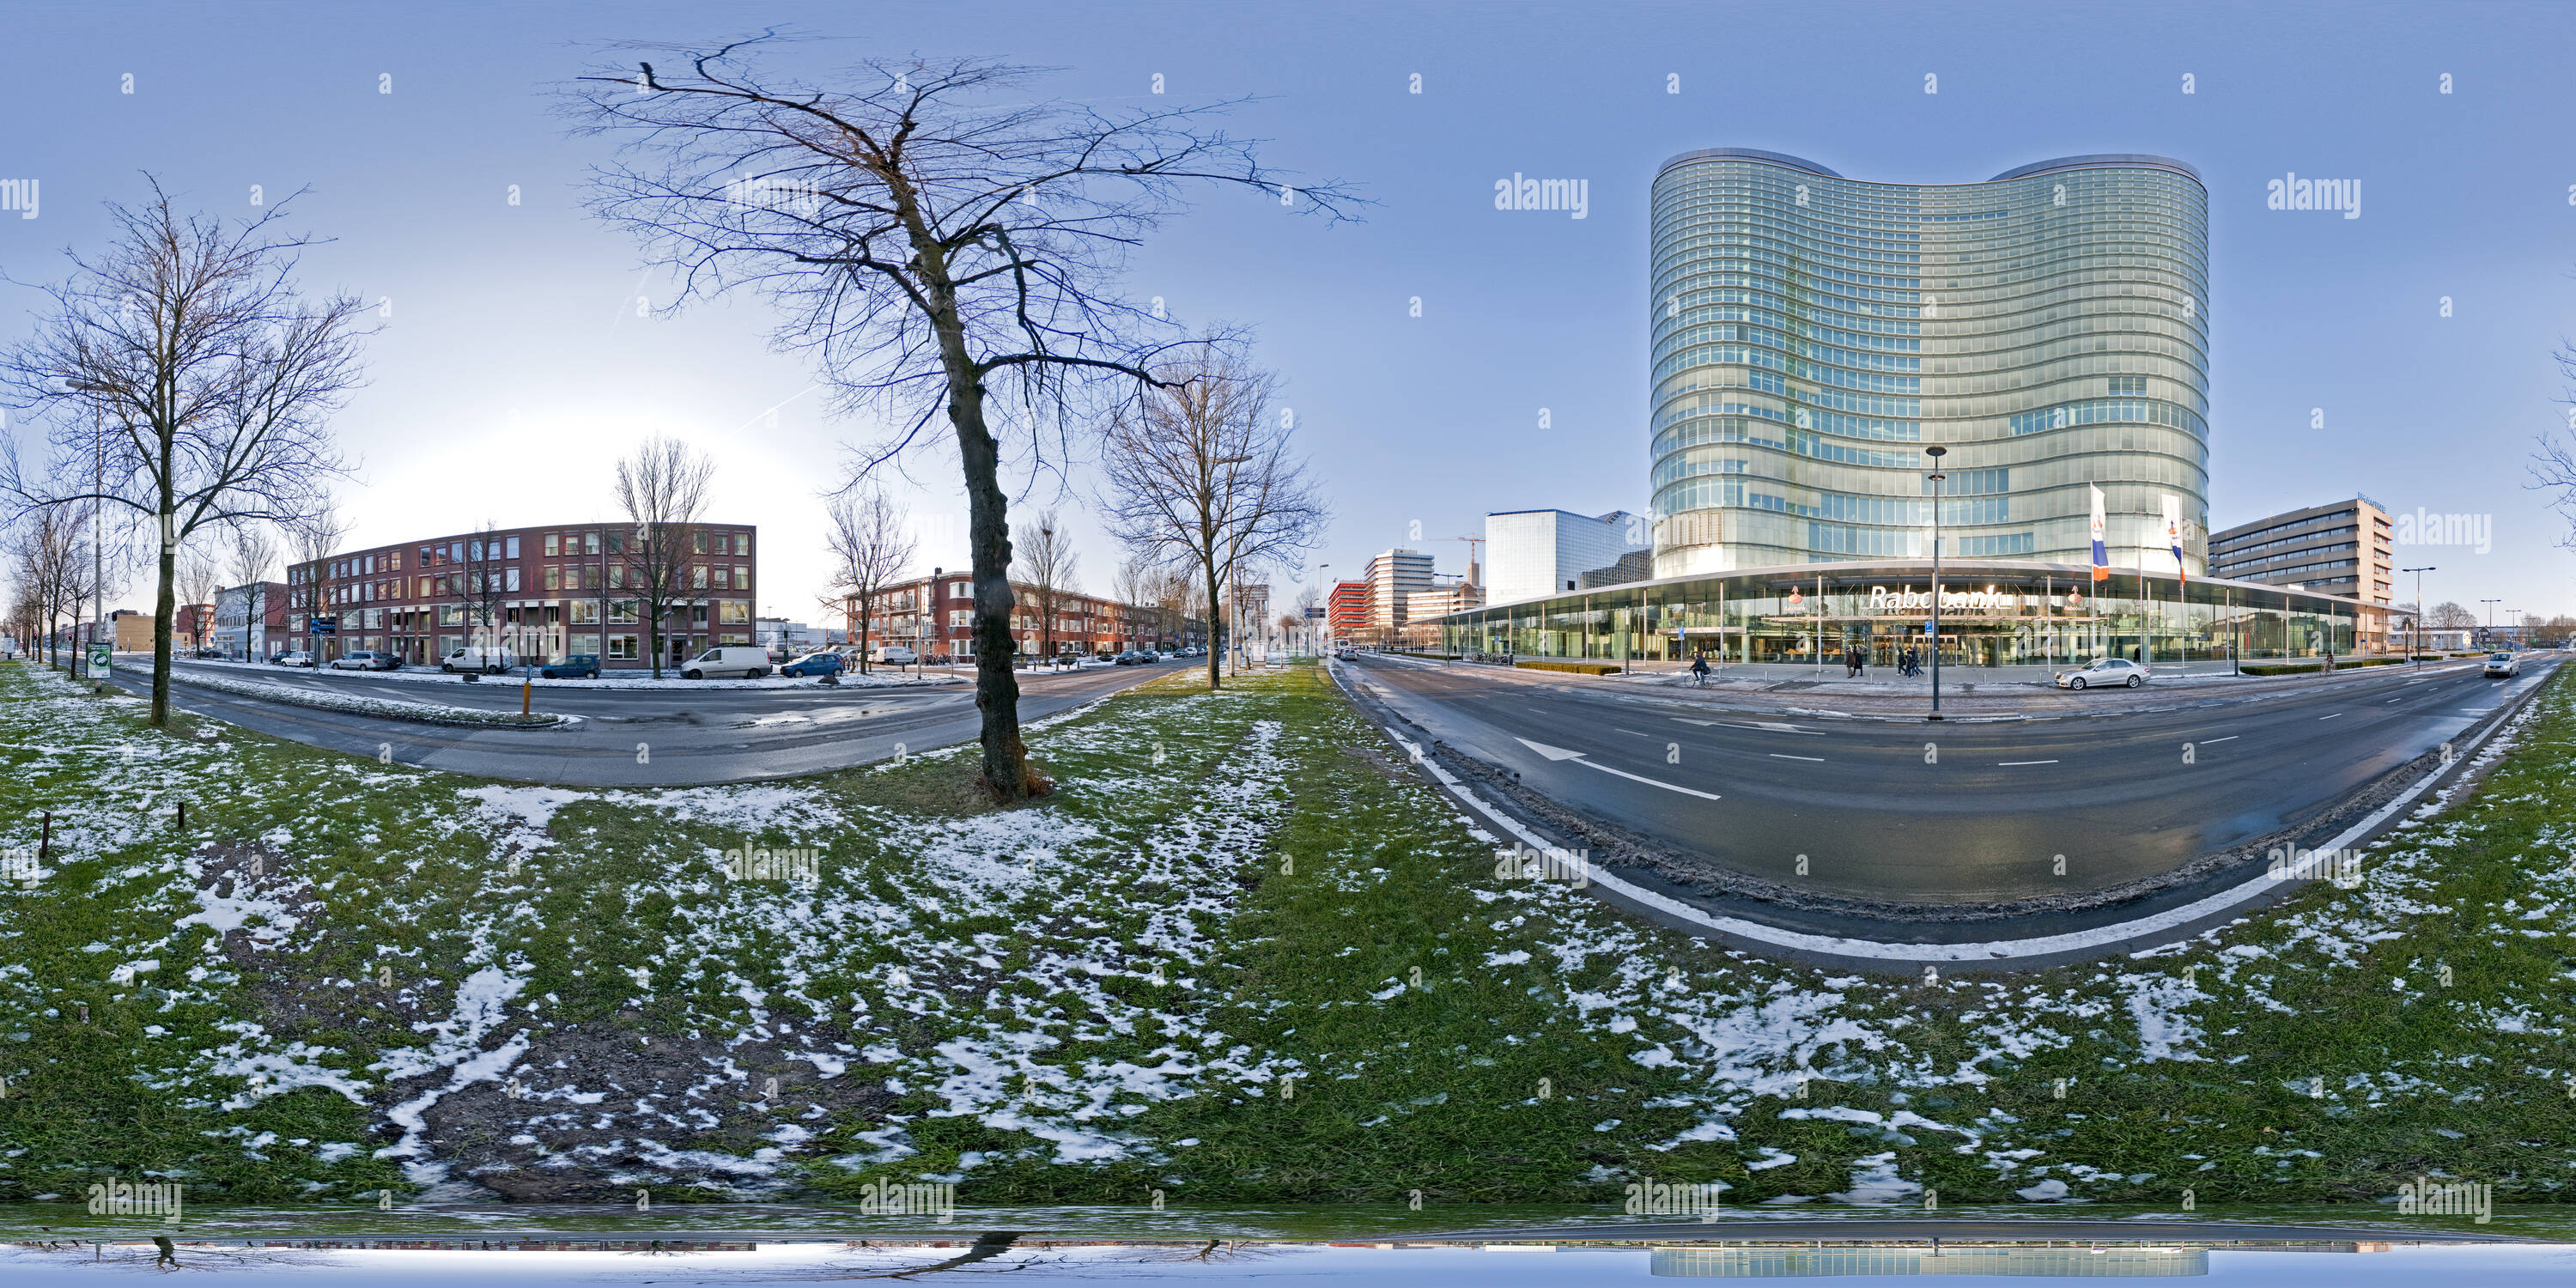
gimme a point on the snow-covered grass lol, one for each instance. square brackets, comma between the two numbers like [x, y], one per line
[1239, 955]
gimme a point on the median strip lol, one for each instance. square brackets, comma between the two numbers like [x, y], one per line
[381, 708]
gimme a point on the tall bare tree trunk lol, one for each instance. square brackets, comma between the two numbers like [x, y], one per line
[1216, 650]
[988, 537]
[165, 609]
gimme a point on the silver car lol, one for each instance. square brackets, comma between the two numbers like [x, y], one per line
[2503, 665]
[2103, 671]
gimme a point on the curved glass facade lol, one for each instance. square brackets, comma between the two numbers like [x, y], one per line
[1812, 334]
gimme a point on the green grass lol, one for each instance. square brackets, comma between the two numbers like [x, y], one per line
[1102, 993]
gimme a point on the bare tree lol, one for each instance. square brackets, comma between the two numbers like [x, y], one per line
[54, 571]
[871, 543]
[251, 552]
[1133, 586]
[929, 232]
[198, 577]
[184, 368]
[662, 487]
[2450, 616]
[311, 541]
[1049, 567]
[1201, 472]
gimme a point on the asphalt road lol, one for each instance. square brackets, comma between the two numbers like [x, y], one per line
[1953, 813]
[640, 737]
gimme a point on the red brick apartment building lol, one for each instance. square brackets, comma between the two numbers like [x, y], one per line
[540, 592]
[1347, 611]
[934, 615]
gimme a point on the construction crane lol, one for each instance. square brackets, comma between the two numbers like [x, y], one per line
[1474, 545]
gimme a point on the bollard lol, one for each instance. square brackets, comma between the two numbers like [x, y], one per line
[45, 847]
[526, 687]
[183, 815]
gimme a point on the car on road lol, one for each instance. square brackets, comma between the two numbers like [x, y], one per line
[2101, 671]
[490, 660]
[2503, 665]
[896, 655]
[572, 666]
[813, 664]
[297, 658]
[1132, 658]
[746, 661]
[366, 660]
[209, 655]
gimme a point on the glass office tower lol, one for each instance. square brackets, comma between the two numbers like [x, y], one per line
[1813, 334]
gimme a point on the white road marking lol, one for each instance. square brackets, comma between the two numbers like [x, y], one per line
[1767, 726]
[2001, 763]
[2335, 716]
[1777, 756]
[1560, 753]
[2229, 738]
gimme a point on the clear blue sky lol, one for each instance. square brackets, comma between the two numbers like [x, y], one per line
[513, 368]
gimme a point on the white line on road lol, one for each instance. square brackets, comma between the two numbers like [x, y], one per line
[2000, 763]
[1767, 726]
[2331, 717]
[1560, 753]
[1818, 759]
[2229, 738]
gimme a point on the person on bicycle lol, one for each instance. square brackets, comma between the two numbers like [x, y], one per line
[1699, 668]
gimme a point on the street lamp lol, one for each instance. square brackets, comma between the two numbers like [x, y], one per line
[2418, 649]
[1936, 452]
[97, 521]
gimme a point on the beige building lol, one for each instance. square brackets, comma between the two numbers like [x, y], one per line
[2345, 548]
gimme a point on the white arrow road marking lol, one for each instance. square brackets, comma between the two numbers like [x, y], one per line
[1771, 726]
[1560, 753]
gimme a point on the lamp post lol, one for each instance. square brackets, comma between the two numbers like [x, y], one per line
[1936, 452]
[2418, 649]
[97, 519]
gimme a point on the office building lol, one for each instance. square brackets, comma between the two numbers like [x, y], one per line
[1347, 611]
[541, 592]
[1393, 577]
[2346, 548]
[1534, 553]
[1813, 334]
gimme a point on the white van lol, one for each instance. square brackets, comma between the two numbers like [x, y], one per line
[895, 655]
[750, 661]
[491, 660]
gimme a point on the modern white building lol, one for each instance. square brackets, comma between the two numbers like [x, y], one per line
[1393, 578]
[1531, 553]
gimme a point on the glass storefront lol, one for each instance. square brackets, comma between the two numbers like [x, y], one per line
[1992, 614]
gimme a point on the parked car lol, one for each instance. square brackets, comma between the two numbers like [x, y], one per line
[208, 655]
[296, 658]
[2503, 665]
[2104, 671]
[750, 662]
[1131, 658]
[490, 660]
[813, 664]
[896, 655]
[572, 666]
[366, 660]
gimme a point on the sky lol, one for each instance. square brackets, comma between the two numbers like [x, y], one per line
[2406, 355]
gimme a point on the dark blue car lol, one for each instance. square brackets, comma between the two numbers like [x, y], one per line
[813, 664]
[583, 666]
